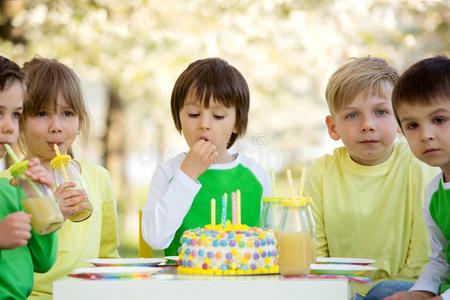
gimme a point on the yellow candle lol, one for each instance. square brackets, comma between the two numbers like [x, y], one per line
[213, 212]
[238, 206]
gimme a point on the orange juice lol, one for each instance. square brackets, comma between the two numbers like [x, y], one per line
[313, 250]
[45, 214]
[84, 213]
[294, 252]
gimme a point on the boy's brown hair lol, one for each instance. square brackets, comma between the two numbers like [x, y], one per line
[213, 79]
[47, 80]
[358, 75]
[10, 71]
[425, 82]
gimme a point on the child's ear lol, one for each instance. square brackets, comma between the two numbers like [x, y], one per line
[235, 129]
[331, 125]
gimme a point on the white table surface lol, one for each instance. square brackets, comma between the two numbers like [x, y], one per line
[166, 285]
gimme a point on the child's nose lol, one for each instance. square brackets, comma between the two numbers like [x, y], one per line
[7, 126]
[426, 133]
[367, 125]
[205, 122]
[55, 125]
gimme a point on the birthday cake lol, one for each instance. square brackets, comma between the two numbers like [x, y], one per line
[235, 250]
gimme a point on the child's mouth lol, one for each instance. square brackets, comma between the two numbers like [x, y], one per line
[370, 142]
[51, 144]
[430, 151]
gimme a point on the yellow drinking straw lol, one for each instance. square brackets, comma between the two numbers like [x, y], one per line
[213, 212]
[302, 181]
[290, 182]
[63, 169]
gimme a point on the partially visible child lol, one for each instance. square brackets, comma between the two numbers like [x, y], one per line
[22, 251]
[367, 196]
[421, 100]
[55, 113]
[210, 104]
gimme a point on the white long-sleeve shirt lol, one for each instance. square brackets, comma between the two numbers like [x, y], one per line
[172, 193]
[436, 271]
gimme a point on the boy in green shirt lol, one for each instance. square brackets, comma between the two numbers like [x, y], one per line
[22, 251]
[210, 103]
[421, 100]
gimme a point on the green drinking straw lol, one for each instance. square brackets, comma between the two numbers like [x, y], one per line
[11, 153]
[16, 161]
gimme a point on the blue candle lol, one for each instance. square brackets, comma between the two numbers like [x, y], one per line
[224, 210]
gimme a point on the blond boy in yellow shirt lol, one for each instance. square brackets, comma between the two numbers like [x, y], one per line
[367, 195]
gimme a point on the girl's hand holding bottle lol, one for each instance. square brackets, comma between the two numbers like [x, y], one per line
[15, 230]
[70, 200]
[198, 159]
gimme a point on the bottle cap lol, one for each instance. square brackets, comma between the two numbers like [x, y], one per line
[302, 201]
[19, 168]
[60, 161]
[277, 199]
[291, 202]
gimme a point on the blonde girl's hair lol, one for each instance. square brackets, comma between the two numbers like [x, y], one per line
[46, 81]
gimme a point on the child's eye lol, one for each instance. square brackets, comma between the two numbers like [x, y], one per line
[217, 117]
[439, 120]
[41, 114]
[16, 115]
[351, 116]
[68, 113]
[381, 112]
[193, 115]
[411, 125]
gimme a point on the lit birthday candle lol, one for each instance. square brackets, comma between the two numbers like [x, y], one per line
[238, 206]
[233, 206]
[224, 210]
[213, 212]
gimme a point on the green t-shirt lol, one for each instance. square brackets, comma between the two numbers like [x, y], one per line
[216, 182]
[17, 265]
[440, 212]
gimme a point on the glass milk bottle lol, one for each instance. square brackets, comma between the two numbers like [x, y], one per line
[276, 212]
[265, 220]
[64, 169]
[46, 217]
[312, 228]
[294, 242]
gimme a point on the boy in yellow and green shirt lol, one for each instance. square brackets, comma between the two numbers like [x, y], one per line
[421, 101]
[367, 195]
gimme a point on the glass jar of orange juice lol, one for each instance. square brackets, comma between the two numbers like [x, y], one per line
[294, 241]
[46, 217]
[312, 228]
[64, 170]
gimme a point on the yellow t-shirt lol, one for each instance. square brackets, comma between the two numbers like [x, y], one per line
[96, 237]
[372, 211]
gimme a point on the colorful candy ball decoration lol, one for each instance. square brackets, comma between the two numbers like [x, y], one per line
[235, 250]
